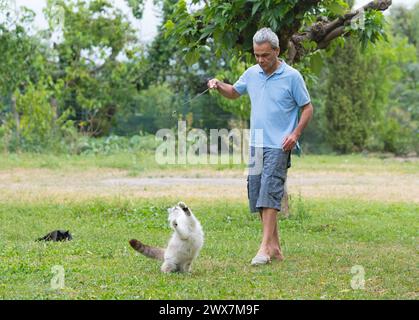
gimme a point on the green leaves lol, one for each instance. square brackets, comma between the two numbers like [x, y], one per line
[309, 45]
[232, 24]
[192, 57]
[316, 62]
[137, 7]
[255, 8]
[169, 26]
[371, 29]
[233, 70]
[338, 8]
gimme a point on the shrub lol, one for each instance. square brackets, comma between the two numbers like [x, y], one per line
[114, 144]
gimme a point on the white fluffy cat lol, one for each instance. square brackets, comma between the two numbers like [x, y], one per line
[184, 245]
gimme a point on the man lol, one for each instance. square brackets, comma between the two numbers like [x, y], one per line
[277, 93]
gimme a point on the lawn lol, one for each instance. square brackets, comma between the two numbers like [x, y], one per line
[323, 240]
[143, 163]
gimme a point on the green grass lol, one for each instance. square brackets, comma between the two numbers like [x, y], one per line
[142, 162]
[321, 242]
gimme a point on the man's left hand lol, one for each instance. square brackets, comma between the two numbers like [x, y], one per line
[290, 141]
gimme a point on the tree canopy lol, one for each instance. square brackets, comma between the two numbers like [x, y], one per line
[302, 26]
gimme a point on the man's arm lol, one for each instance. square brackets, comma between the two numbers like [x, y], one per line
[291, 140]
[227, 90]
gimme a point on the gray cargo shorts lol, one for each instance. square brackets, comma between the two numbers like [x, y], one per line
[267, 175]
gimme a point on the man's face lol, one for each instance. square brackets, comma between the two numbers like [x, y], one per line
[265, 56]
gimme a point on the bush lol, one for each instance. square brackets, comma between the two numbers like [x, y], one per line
[36, 123]
[397, 138]
[38, 127]
[154, 108]
[115, 144]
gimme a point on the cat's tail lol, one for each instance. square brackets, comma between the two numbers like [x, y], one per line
[148, 251]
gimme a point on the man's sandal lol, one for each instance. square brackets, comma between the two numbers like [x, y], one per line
[260, 259]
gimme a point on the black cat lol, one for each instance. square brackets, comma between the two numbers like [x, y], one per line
[57, 235]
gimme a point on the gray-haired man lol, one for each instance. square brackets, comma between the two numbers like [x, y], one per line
[277, 93]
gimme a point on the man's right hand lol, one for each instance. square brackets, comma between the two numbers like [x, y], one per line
[227, 90]
[213, 84]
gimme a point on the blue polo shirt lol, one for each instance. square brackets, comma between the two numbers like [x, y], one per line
[276, 100]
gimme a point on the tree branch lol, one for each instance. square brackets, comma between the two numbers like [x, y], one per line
[330, 36]
[300, 8]
[323, 32]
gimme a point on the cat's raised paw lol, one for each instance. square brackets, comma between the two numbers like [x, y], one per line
[182, 205]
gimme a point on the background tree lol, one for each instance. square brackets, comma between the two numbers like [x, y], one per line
[350, 107]
[181, 80]
[93, 80]
[22, 63]
[401, 133]
[338, 94]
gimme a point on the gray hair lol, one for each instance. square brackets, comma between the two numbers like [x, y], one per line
[266, 35]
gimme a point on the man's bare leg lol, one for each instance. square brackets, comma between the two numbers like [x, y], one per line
[276, 252]
[270, 240]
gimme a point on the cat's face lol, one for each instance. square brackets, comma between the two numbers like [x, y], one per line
[180, 216]
[67, 235]
[64, 235]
